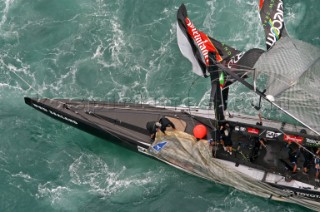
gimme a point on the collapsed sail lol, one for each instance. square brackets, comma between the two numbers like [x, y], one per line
[196, 45]
[207, 54]
[292, 71]
[183, 151]
[290, 67]
[271, 14]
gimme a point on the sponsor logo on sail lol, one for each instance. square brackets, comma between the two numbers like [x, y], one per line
[235, 59]
[202, 41]
[276, 25]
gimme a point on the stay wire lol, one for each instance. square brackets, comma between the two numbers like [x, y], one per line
[23, 80]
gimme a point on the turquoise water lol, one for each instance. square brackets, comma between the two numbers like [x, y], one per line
[107, 50]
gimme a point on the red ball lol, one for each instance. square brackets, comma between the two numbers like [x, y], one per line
[199, 131]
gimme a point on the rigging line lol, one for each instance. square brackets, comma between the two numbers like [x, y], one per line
[211, 124]
[194, 81]
[37, 92]
[23, 80]
[244, 67]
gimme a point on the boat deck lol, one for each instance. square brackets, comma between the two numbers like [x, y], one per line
[127, 122]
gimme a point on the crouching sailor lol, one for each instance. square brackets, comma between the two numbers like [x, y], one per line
[153, 127]
[317, 165]
[164, 123]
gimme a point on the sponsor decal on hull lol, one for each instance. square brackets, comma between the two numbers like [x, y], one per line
[302, 194]
[253, 130]
[312, 142]
[242, 129]
[314, 196]
[54, 113]
[293, 138]
[271, 134]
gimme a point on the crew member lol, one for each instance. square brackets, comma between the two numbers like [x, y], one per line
[294, 153]
[317, 165]
[306, 152]
[152, 129]
[257, 143]
[226, 132]
[164, 123]
[260, 120]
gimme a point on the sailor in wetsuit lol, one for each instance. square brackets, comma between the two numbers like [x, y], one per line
[152, 129]
[294, 153]
[317, 165]
[260, 120]
[226, 131]
[307, 155]
[257, 143]
[164, 123]
[153, 126]
[215, 141]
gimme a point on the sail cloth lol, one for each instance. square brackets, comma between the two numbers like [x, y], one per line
[196, 45]
[183, 151]
[271, 14]
[205, 52]
[292, 70]
[290, 66]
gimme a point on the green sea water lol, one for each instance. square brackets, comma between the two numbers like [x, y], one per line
[113, 50]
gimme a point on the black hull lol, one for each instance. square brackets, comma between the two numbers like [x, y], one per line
[86, 126]
[124, 124]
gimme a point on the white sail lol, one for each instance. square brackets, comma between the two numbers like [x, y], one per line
[292, 69]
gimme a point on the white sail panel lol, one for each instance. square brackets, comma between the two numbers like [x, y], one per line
[186, 50]
[292, 68]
